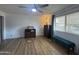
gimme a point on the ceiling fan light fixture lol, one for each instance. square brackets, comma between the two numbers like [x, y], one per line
[34, 10]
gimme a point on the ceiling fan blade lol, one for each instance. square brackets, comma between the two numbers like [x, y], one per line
[38, 9]
[43, 5]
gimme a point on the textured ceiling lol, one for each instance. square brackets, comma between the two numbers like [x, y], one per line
[26, 8]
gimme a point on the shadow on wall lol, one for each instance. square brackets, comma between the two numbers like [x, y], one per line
[21, 31]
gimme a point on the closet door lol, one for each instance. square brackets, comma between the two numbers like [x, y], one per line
[1, 19]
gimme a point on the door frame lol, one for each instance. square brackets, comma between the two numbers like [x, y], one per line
[2, 27]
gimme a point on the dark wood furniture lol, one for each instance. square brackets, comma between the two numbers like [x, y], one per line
[30, 33]
[47, 31]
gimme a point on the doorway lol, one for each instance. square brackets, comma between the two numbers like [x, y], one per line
[1, 28]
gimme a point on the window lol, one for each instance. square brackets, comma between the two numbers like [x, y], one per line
[73, 23]
[68, 23]
[59, 24]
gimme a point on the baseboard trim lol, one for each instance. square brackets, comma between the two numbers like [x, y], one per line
[14, 38]
[22, 37]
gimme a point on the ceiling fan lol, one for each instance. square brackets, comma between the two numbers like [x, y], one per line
[38, 7]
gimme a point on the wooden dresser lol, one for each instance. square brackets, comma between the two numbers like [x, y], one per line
[30, 33]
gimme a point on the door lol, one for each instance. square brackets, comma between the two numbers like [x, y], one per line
[1, 29]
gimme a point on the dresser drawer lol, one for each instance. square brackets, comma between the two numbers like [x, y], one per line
[29, 33]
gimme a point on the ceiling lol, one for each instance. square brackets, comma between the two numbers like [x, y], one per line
[15, 8]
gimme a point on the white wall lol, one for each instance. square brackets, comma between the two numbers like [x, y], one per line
[15, 24]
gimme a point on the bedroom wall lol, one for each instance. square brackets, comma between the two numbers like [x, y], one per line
[15, 25]
[45, 19]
